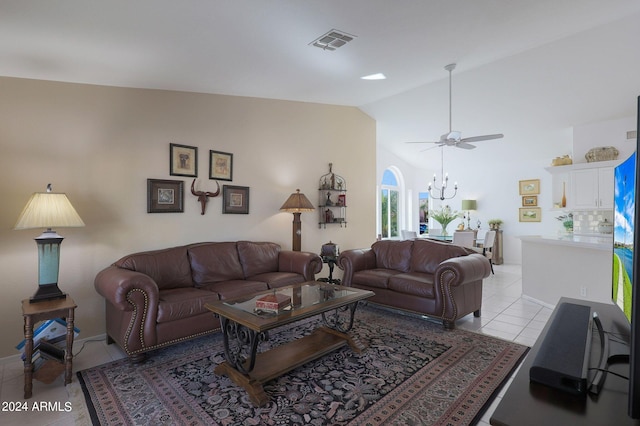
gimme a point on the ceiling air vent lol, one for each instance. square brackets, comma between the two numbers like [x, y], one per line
[332, 40]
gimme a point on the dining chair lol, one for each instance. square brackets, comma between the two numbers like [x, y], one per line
[408, 235]
[464, 238]
[487, 247]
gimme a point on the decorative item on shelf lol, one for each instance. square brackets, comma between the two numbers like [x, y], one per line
[601, 153]
[564, 195]
[332, 181]
[565, 160]
[48, 210]
[328, 202]
[605, 227]
[203, 197]
[567, 222]
[342, 200]
[296, 204]
[469, 205]
[495, 224]
[444, 216]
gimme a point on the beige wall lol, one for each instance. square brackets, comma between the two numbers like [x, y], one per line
[100, 144]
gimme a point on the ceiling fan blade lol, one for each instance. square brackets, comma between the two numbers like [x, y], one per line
[424, 142]
[482, 138]
[465, 145]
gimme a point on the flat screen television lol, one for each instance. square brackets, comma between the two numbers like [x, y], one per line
[626, 264]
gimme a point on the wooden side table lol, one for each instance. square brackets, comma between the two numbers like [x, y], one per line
[40, 311]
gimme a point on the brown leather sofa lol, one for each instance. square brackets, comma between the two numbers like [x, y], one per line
[432, 278]
[156, 298]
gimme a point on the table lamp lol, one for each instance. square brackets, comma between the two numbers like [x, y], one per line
[296, 204]
[469, 205]
[48, 210]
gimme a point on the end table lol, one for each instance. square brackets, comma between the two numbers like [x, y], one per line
[40, 311]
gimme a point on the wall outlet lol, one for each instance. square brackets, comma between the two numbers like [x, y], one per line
[583, 292]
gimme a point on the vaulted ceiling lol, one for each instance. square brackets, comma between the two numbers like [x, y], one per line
[264, 49]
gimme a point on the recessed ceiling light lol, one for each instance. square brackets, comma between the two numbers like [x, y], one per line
[377, 76]
[332, 40]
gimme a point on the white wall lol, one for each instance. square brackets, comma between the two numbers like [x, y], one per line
[101, 144]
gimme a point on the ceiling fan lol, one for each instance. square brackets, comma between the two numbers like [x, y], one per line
[454, 138]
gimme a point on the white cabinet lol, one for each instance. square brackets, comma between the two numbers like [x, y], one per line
[592, 188]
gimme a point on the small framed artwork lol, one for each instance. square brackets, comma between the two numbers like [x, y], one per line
[530, 201]
[220, 165]
[530, 214]
[165, 196]
[530, 187]
[183, 160]
[235, 199]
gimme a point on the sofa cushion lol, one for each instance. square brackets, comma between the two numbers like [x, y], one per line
[236, 288]
[393, 254]
[373, 277]
[428, 254]
[415, 283]
[178, 303]
[169, 268]
[258, 258]
[278, 279]
[213, 262]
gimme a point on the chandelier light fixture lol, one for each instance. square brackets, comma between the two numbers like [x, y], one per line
[436, 192]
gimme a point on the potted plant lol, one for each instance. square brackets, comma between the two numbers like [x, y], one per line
[444, 216]
[495, 223]
[567, 222]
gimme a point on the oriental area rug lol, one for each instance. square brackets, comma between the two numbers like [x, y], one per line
[413, 372]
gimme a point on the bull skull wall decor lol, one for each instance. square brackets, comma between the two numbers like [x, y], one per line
[203, 197]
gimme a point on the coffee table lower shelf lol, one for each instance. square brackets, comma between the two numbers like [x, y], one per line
[282, 359]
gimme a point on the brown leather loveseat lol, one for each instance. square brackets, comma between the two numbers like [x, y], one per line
[432, 278]
[156, 298]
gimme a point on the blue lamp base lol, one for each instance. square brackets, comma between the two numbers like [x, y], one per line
[48, 265]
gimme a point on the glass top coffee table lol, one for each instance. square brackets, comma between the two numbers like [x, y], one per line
[244, 326]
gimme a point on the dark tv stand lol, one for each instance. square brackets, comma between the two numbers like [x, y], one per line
[526, 403]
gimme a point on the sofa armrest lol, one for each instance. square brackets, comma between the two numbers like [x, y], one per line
[351, 261]
[115, 285]
[455, 273]
[304, 263]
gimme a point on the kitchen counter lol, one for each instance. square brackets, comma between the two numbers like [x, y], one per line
[590, 241]
[577, 266]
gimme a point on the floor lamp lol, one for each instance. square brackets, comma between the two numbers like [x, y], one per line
[296, 204]
[48, 210]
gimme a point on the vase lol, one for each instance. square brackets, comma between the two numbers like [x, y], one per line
[564, 196]
[444, 230]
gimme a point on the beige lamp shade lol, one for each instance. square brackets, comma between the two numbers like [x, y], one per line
[469, 205]
[48, 210]
[297, 203]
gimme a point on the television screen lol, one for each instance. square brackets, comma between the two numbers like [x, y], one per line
[624, 213]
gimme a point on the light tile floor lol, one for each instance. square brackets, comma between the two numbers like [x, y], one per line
[505, 314]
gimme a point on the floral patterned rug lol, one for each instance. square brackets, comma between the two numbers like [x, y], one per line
[413, 372]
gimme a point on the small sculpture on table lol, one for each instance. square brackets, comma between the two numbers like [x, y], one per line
[329, 254]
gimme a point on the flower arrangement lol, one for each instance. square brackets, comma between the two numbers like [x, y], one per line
[444, 216]
[567, 221]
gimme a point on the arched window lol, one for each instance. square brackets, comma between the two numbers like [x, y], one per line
[390, 205]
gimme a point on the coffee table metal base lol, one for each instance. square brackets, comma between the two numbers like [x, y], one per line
[282, 359]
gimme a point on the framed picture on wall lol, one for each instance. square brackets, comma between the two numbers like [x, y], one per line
[530, 214]
[220, 165]
[165, 196]
[183, 160]
[530, 201]
[235, 199]
[530, 187]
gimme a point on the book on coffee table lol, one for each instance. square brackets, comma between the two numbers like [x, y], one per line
[274, 302]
